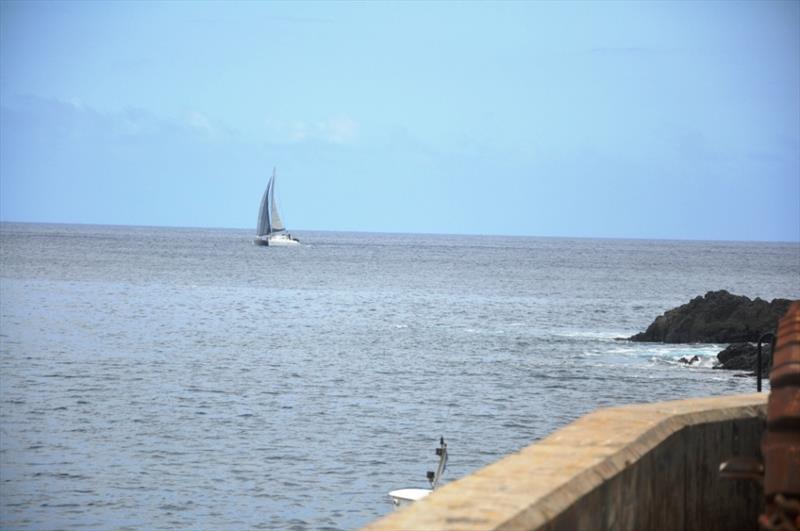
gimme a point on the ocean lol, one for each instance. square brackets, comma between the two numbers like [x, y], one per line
[166, 378]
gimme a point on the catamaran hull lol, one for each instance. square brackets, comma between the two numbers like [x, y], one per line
[276, 241]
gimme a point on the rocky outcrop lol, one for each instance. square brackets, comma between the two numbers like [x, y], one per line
[717, 317]
[744, 357]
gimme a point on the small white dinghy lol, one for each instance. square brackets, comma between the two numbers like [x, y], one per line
[403, 497]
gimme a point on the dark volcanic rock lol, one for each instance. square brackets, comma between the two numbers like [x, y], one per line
[744, 357]
[718, 317]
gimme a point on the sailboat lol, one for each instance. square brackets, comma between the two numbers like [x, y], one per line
[270, 230]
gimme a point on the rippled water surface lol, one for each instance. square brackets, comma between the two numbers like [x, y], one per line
[184, 378]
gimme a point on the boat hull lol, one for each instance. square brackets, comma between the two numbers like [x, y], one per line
[276, 240]
[404, 497]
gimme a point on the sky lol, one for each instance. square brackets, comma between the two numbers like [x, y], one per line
[667, 120]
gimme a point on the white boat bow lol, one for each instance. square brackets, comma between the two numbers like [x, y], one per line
[403, 497]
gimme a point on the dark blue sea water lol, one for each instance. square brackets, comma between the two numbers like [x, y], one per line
[186, 379]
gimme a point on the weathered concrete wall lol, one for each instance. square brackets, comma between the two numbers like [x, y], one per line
[649, 466]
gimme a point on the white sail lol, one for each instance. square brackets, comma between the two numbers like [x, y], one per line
[263, 228]
[277, 224]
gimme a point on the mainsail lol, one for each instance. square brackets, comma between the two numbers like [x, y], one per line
[263, 228]
[277, 224]
[269, 220]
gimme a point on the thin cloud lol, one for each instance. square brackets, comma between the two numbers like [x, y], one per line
[49, 116]
[339, 130]
[210, 128]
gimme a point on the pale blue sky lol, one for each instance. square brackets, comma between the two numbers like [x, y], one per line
[597, 119]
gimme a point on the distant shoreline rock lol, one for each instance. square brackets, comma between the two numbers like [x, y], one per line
[717, 317]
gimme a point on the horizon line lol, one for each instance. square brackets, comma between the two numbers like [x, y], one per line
[391, 232]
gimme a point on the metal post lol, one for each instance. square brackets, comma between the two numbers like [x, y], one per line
[758, 369]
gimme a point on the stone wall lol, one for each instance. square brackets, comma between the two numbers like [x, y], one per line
[648, 466]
